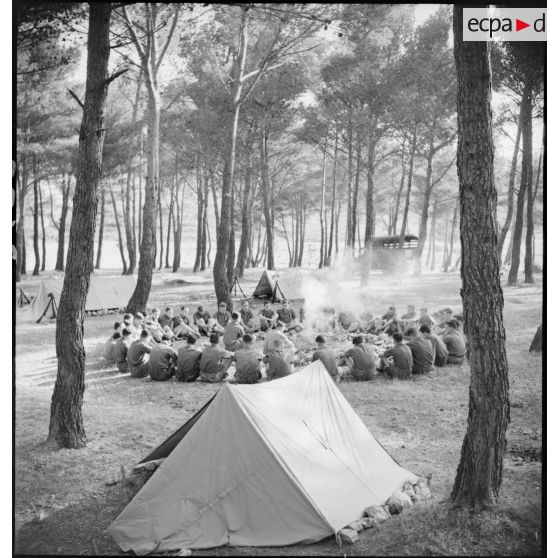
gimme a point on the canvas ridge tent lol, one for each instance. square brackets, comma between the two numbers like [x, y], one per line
[286, 286]
[270, 464]
[105, 292]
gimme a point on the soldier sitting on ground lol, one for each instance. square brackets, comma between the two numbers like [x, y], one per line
[327, 357]
[188, 363]
[277, 359]
[363, 360]
[233, 333]
[248, 362]
[121, 350]
[455, 342]
[422, 352]
[138, 356]
[287, 315]
[247, 319]
[397, 362]
[222, 317]
[438, 346]
[215, 361]
[162, 361]
[201, 320]
[109, 346]
[268, 317]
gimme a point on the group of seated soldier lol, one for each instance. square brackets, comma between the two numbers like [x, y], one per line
[416, 352]
[142, 345]
[391, 321]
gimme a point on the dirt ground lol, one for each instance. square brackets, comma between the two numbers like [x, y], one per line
[66, 499]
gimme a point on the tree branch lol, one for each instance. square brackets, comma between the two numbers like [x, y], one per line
[169, 37]
[130, 27]
[448, 167]
[115, 75]
[56, 226]
[76, 98]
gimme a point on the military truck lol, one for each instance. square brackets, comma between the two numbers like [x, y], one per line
[388, 256]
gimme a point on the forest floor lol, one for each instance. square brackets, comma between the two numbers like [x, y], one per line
[66, 499]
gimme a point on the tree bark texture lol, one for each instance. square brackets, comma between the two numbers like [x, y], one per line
[526, 177]
[266, 194]
[119, 231]
[36, 219]
[221, 282]
[66, 422]
[527, 171]
[409, 187]
[101, 231]
[43, 234]
[479, 475]
[511, 192]
[62, 225]
[23, 185]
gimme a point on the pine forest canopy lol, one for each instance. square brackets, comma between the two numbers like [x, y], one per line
[250, 135]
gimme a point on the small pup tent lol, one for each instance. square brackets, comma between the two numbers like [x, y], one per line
[279, 287]
[270, 464]
[105, 292]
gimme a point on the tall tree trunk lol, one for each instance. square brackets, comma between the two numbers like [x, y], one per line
[527, 168]
[526, 177]
[349, 240]
[323, 231]
[447, 263]
[199, 221]
[433, 234]
[355, 191]
[171, 212]
[246, 217]
[161, 236]
[178, 227]
[231, 251]
[220, 280]
[302, 235]
[296, 231]
[333, 199]
[36, 218]
[400, 190]
[23, 185]
[409, 187]
[216, 209]
[138, 300]
[370, 210]
[129, 216]
[479, 475]
[66, 422]
[205, 232]
[423, 224]
[101, 231]
[140, 201]
[43, 234]
[266, 199]
[62, 225]
[445, 254]
[429, 253]
[511, 191]
[337, 226]
[535, 197]
[134, 214]
[507, 259]
[118, 230]
[208, 244]
[23, 253]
